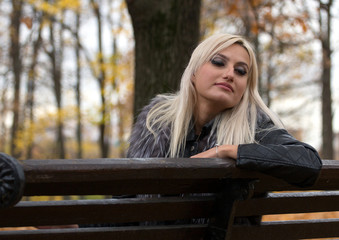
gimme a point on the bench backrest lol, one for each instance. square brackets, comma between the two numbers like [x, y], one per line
[190, 189]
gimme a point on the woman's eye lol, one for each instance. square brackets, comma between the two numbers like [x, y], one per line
[241, 71]
[217, 62]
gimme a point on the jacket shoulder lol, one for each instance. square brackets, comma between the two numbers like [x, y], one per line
[142, 142]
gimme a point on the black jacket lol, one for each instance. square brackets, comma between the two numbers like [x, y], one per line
[276, 152]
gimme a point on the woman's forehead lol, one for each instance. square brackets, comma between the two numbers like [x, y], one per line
[234, 52]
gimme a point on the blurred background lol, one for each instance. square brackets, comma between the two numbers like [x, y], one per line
[75, 73]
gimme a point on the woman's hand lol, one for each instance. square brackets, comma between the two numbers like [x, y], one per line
[222, 151]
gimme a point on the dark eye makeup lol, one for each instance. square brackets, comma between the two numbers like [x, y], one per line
[221, 62]
[218, 62]
[241, 71]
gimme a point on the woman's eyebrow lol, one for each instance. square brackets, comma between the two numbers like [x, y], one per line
[226, 58]
[222, 56]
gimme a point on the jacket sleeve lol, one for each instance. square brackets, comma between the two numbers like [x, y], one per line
[279, 154]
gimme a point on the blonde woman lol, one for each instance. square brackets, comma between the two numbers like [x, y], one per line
[218, 113]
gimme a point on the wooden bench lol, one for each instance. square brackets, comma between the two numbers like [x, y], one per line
[175, 179]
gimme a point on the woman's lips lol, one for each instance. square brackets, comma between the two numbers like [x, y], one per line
[225, 86]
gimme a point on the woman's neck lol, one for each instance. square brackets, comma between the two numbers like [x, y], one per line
[203, 113]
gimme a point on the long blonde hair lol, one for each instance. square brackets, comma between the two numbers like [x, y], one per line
[232, 126]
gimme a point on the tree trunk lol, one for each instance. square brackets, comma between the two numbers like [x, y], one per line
[16, 67]
[56, 59]
[30, 94]
[250, 18]
[105, 117]
[78, 89]
[326, 97]
[4, 110]
[165, 32]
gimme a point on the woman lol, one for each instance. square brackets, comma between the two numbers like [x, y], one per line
[218, 113]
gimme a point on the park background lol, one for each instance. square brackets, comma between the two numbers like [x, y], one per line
[75, 73]
[72, 73]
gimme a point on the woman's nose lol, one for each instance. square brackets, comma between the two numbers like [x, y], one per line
[228, 73]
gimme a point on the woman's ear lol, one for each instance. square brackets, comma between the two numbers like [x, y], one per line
[193, 79]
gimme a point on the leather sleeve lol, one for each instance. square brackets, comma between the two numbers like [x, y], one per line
[279, 154]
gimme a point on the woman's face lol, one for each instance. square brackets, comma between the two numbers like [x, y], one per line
[221, 82]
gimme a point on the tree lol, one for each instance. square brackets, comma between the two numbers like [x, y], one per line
[101, 78]
[120, 70]
[165, 32]
[42, 54]
[326, 96]
[16, 68]
[4, 109]
[56, 56]
[78, 87]
[31, 85]
[281, 30]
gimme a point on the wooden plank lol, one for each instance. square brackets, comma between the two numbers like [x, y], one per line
[76, 170]
[294, 202]
[282, 230]
[98, 171]
[184, 232]
[122, 187]
[123, 176]
[106, 211]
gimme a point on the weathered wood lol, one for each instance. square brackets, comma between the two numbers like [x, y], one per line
[120, 176]
[284, 203]
[178, 181]
[97, 170]
[106, 211]
[105, 171]
[120, 187]
[297, 201]
[282, 230]
[180, 232]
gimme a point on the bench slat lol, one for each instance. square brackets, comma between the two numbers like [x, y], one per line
[76, 170]
[283, 203]
[122, 187]
[101, 173]
[106, 211]
[280, 230]
[180, 232]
